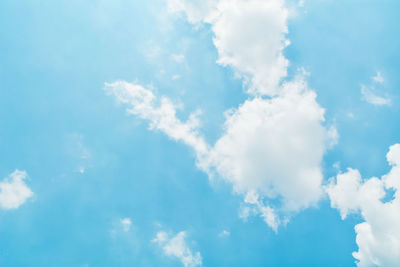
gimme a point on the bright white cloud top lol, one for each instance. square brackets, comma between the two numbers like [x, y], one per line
[13, 190]
[378, 237]
[176, 246]
[249, 37]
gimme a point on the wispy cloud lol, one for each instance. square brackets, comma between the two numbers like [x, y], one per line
[372, 95]
[369, 94]
[378, 78]
[176, 246]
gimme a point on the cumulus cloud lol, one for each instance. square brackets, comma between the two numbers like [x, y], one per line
[175, 246]
[249, 37]
[13, 190]
[378, 237]
[272, 147]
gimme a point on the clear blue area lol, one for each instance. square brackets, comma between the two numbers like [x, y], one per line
[55, 119]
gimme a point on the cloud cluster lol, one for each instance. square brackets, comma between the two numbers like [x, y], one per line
[175, 246]
[273, 143]
[13, 190]
[271, 148]
[378, 237]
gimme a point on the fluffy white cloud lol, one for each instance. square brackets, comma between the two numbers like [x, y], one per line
[378, 237]
[13, 191]
[249, 37]
[272, 148]
[176, 246]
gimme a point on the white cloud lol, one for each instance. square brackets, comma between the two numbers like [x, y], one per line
[271, 147]
[342, 194]
[160, 112]
[13, 191]
[256, 206]
[126, 224]
[196, 11]
[378, 78]
[176, 246]
[378, 237]
[370, 95]
[249, 37]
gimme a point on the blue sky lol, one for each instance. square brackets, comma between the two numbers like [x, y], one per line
[103, 188]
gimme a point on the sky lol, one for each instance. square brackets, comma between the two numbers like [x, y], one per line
[199, 133]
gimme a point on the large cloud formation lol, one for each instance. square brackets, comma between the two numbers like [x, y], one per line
[273, 143]
[378, 237]
[271, 148]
